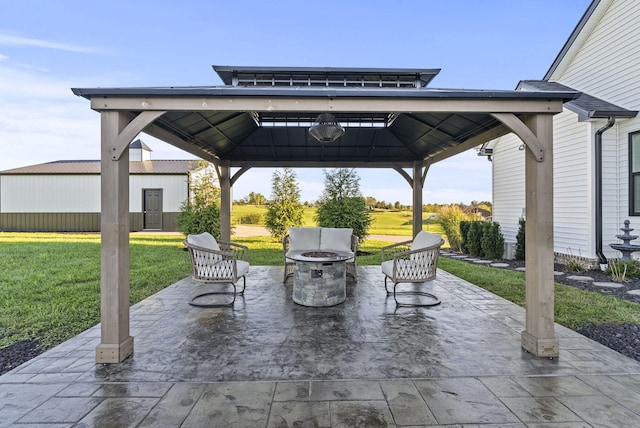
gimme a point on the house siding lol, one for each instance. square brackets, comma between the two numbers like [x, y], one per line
[508, 185]
[572, 186]
[71, 203]
[607, 65]
[73, 222]
[604, 63]
[50, 193]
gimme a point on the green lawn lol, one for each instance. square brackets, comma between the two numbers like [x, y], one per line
[50, 282]
[385, 222]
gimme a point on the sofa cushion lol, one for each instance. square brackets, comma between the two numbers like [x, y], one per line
[338, 239]
[425, 239]
[203, 240]
[304, 238]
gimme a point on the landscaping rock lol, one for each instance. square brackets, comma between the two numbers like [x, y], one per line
[500, 265]
[580, 278]
[608, 284]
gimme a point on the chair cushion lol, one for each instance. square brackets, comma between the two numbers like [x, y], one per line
[336, 239]
[304, 238]
[387, 268]
[425, 239]
[242, 267]
[203, 240]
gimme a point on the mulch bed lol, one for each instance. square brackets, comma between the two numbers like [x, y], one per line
[18, 353]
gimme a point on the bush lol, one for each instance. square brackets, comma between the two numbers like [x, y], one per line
[474, 238]
[450, 218]
[464, 229]
[619, 270]
[520, 240]
[341, 203]
[201, 213]
[194, 219]
[253, 218]
[492, 241]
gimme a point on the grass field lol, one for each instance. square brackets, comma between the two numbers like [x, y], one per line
[50, 283]
[385, 222]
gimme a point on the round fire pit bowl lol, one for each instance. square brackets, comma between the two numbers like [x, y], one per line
[319, 254]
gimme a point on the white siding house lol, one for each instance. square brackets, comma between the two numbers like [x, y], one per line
[601, 60]
[65, 195]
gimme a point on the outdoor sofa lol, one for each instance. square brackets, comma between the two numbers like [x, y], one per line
[320, 239]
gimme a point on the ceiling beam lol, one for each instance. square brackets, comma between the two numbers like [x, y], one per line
[328, 104]
[168, 137]
[320, 164]
[472, 142]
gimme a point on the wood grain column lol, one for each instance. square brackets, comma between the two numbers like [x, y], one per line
[225, 202]
[417, 197]
[116, 343]
[538, 338]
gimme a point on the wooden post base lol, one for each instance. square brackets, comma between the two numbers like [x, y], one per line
[549, 348]
[114, 353]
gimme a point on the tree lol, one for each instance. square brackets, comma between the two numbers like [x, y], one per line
[492, 241]
[450, 218]
[341, 203]
[256, 199]
[474, 238]
[284, 210]
[201, 213]
[521, 240]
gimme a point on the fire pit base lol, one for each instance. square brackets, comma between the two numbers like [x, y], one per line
[320, 279]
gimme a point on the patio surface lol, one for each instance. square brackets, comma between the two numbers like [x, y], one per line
[271, 363]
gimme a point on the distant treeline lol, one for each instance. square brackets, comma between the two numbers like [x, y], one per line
[483, 207]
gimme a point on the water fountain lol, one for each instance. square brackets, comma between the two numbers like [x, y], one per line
[626, 248]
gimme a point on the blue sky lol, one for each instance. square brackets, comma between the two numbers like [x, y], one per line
[48, 47]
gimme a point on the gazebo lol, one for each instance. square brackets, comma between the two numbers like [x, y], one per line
[261, 117]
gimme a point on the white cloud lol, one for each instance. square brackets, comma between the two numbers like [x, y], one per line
[10, 40]
[43, 121]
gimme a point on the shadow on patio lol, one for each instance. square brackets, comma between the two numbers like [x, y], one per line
[270, 362]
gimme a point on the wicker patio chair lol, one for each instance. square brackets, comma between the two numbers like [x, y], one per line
[413, 261]
[217, 262]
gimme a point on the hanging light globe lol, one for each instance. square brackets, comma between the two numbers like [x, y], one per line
[326, 129]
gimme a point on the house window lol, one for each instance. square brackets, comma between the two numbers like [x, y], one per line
[634, 173]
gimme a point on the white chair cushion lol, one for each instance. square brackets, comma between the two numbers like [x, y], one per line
[242, 267]
[336, 239]
[387, 268]
[204, 240]
[304, 238]
[425, 239]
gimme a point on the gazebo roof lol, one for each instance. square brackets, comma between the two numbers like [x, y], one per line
[261, 116]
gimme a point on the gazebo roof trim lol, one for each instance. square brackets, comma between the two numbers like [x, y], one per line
[294, 92]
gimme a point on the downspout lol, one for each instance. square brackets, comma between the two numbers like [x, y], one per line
[601, 258]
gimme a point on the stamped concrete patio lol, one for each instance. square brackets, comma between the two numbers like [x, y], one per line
[271, 363]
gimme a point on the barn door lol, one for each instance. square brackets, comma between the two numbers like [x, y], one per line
[153, 209]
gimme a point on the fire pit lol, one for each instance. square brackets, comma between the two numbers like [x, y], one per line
[319, 277]
[319, 254]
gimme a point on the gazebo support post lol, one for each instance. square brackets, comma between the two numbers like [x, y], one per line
[224, 176]
[417, 185]
[538, 337]
[116, 343]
